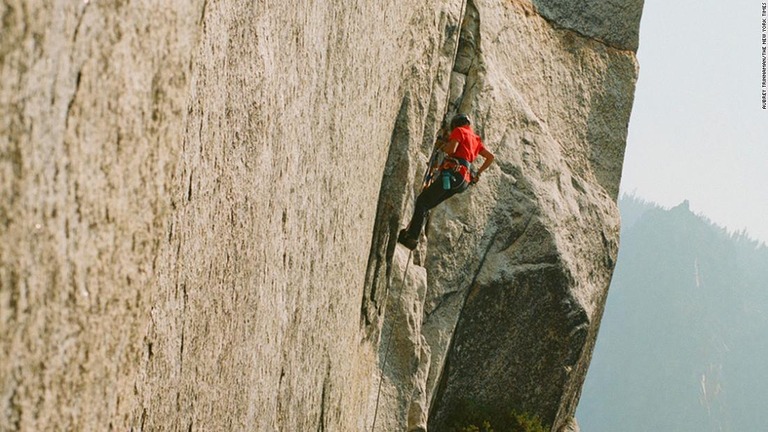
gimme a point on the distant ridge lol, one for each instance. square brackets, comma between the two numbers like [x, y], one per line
[682, 344]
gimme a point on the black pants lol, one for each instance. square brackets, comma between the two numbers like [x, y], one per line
[431, 197]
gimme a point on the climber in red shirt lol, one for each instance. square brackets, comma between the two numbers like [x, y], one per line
[462, 148]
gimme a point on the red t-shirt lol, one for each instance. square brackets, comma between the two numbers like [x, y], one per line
[470, 145]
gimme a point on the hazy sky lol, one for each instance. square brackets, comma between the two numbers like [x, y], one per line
[698, 130]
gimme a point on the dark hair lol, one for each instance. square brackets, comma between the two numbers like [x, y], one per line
[459, 120]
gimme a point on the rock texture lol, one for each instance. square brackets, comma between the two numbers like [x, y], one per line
[614, 22]
[518, 268]
[198, 203]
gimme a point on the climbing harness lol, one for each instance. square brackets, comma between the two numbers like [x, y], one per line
[459, 167]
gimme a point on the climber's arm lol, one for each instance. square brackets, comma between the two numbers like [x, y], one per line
[489, 157]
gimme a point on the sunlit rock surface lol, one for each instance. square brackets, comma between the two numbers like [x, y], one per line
[199, 202]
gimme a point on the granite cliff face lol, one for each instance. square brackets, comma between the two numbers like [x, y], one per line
[198, 204]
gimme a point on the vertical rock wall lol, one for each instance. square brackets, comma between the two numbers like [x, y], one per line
[189, 194]
[518, 267]
[92, 101]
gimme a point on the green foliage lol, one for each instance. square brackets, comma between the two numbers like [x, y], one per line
[471, 417]
[486, 427]
[527, 423]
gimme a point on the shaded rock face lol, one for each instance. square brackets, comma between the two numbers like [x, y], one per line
[199, 204]
[614, 22]
[518, 267]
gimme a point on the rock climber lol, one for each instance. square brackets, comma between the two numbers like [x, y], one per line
[461, 148]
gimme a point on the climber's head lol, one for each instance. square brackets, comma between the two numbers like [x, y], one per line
[459, 120]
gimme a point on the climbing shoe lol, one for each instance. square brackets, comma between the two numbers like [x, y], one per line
[407, 241]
